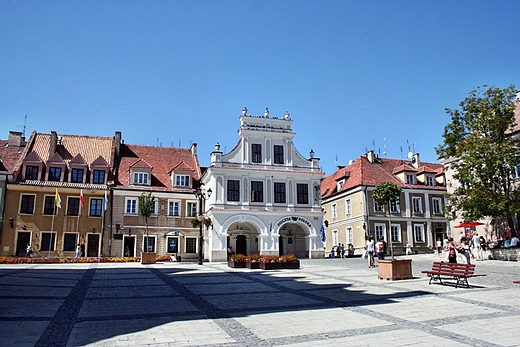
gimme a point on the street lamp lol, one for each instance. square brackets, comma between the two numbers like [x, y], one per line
[201, 195]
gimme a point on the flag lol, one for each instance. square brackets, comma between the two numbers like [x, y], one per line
[57, 199]
[106, 201]
[322, 232]
[82, 199]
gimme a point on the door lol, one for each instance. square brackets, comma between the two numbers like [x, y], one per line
[21, 244]
[241, 245]
[92, 245]
[280, 245]
[129, 247]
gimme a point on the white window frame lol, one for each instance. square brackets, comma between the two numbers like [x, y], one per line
[349, 235]
[155, 207]
[176, 205]
[418, 230]
[378, 208]
[334, 211]
[437, 205]
[394, 206]
[191, 209]
[335, 237]
[348, 207]
[140, 178]
[430, 181]
[396, 231]
[131, 209]
[417, 204]
[182, 180]
[379, 231]
[410, 179]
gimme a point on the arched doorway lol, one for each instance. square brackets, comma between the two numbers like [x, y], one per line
[241, 245]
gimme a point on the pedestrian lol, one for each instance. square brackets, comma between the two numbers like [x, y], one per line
[369, 247]
[408, 248]
[380, 247]
[450, 250]
[343, 250]
[229, 252]
[28, 251]
[465, 251]
[127, 251]
[477, 247]
[82, 247]
[439, 247]
[332, 253]
[78, 251]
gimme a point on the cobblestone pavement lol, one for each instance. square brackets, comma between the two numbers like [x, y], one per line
[329, 301]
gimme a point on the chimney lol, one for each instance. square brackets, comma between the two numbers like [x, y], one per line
[370, 156]
[416, 163]
[53, 143]
[194, 149]
[15, 139]
[117, 142]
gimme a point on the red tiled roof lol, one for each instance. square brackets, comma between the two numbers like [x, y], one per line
[9, 156]
[364, 173]
[162, 161]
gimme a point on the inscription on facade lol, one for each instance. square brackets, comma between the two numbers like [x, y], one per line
[294, 219]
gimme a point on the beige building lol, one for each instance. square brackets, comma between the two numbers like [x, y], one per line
[352, 215]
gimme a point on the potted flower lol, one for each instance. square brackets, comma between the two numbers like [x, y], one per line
[237, 261]
[252, 261]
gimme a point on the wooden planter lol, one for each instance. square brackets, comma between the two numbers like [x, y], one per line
[236, 264]
[295, 265]
[252, 265]
[398, 269]
[271, 266]
[148, 257]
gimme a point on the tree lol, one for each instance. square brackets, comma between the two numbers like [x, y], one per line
[146, 204]
[483, 155]
[384, 193]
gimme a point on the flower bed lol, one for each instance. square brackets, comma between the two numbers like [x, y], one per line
[237, 261]
[265, 262]
[13, 260]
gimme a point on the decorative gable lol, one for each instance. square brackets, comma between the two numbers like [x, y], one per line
[141, 173]
[55, 168]
[77, 169]
[32, 167]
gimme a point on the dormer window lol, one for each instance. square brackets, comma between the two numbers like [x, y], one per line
[31, 172]
[140, 178]
[182, 180]
[410, 179]
[430, 181]
[76, 175]
[98, 177]
[54, 174]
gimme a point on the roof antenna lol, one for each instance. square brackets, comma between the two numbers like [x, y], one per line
[384, 146]
[336, 162]
[24, 126]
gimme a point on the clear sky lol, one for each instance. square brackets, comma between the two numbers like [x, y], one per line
[354, 75]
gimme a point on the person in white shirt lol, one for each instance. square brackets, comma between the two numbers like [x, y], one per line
[475, 240]
[369, 246]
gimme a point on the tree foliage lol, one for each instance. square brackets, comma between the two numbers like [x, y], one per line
[386, 192]
[146, 204]
[482, 153]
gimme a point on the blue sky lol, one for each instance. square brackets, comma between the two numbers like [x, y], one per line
[354, 75]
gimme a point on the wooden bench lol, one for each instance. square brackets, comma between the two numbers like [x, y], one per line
[459, 272]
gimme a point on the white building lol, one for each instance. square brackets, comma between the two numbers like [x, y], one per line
[265, 195]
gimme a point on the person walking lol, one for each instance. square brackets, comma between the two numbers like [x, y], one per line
[439, 247]
[28, 251]
[380, 247]
[477, 247]
[451, 251]
[408, 248]
[465, 251]
[369, 246]
[78, 251]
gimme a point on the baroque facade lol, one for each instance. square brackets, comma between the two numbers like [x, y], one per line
[417, 217]
[265, 195]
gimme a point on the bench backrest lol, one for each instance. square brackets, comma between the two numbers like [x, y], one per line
[454, 268]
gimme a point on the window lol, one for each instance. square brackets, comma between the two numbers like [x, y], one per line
[378, 208]
[191, 245]
[182, 181]
[173, 245]
[417, 205]
[437, 206]
[49, 205]
[55, 174]
[73, 205]
[70, 242]
[191, 211]
[334, 211]
[95, 207]
[140, 178]
[149, 243]
[334, 237]
[173, 208]
[256, 150]
[302, 193]
[154, 207]
[349, 235]
[31, 172]
[131, 206]
[380, 231]
[27, 204]
[76, 176]
[257, 191]
[279, 193]
[278, 154]
[410, 179]
[233, 190]
[396, 233]
[98, 177]
[48, 241]
[429, 181]
[348, 208]
[418, 233]
[394, 205]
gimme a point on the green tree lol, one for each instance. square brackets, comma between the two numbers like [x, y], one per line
[482, 153]
[384, 193]
[146, 204]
